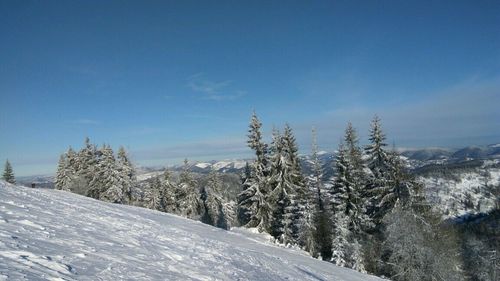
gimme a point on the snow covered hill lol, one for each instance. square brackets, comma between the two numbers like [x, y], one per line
[55, 235]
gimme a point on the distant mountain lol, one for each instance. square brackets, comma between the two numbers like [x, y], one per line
[427, 154]
[478, 152]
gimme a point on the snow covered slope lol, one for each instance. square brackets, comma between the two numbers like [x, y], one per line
[54, 235]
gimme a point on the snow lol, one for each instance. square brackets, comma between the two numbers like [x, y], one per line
[203, 165]
[448, 194]
[239, 164]
[55, 235]
[221, 164]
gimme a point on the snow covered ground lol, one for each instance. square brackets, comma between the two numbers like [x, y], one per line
[55, 235]
[448, 195]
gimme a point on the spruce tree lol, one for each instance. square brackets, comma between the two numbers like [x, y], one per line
[8, 174]
[320, 240]
[108, 181]
[190, 203]
[168, 194]
[213, 201]
[152, 197]
[86, 166]
[253, 207]
[243, 211]
[350, 219]
[300, 198]
[286, 197]
[127, 173]
[379, 163]
[65, 173]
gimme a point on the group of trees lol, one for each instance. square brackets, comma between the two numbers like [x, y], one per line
[97, 173]
[186, 198]
[357, 220]
[8, 174]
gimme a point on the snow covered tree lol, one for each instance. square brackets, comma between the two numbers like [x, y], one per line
[168, 194]
[107, 183]
[85, 166]
[152, 198]
[65, 172]
[375, 151]
[190, 203]
[317, 214]
[8, 174]
[243, 211]
[350, 218]
[213, 202]
[417, 248]
[340, 244]
[401, 186]
[127, 173]
[288, 190]
[253, 208]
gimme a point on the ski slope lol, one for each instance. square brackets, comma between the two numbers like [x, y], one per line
[55, 235]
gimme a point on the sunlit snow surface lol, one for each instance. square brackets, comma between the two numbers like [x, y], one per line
[55, 235]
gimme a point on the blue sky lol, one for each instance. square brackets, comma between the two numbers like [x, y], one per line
[175, 79]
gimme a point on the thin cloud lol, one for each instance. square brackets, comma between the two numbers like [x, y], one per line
[206, 149]
[213, 90]
[463, 114]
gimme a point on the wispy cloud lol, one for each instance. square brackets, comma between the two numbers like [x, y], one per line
[463, 114]
[84, 121]
[214, 90]
[200, 150]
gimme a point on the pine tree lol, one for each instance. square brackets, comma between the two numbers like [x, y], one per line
[108, 181]
[127, 173]
[350, 219]
[152, 198]
[356, 204]
[65, 172]
[320, 234]
[190, 203]
[168, 193]
[288, 190]
[379, 163]
[300, 196]
[252, 201]
[86, 166]
[243, 211]
[213, 202]
[8, 174]
[399, 187]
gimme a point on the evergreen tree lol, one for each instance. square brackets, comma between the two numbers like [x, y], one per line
[86, 167]
[168, 193]
[418, 247]
[108, 180]
[350, 217]
[64, 174]
[253, 207]
[213, 202]
[190, 203]
[320, 235]
[288, 192]
[8, 174]
[127, 173]
[243, 211]
[153, 198]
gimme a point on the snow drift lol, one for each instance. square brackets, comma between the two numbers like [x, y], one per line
[55, 235]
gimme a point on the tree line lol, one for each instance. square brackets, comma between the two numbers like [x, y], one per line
[96, 172]
[372, 217]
